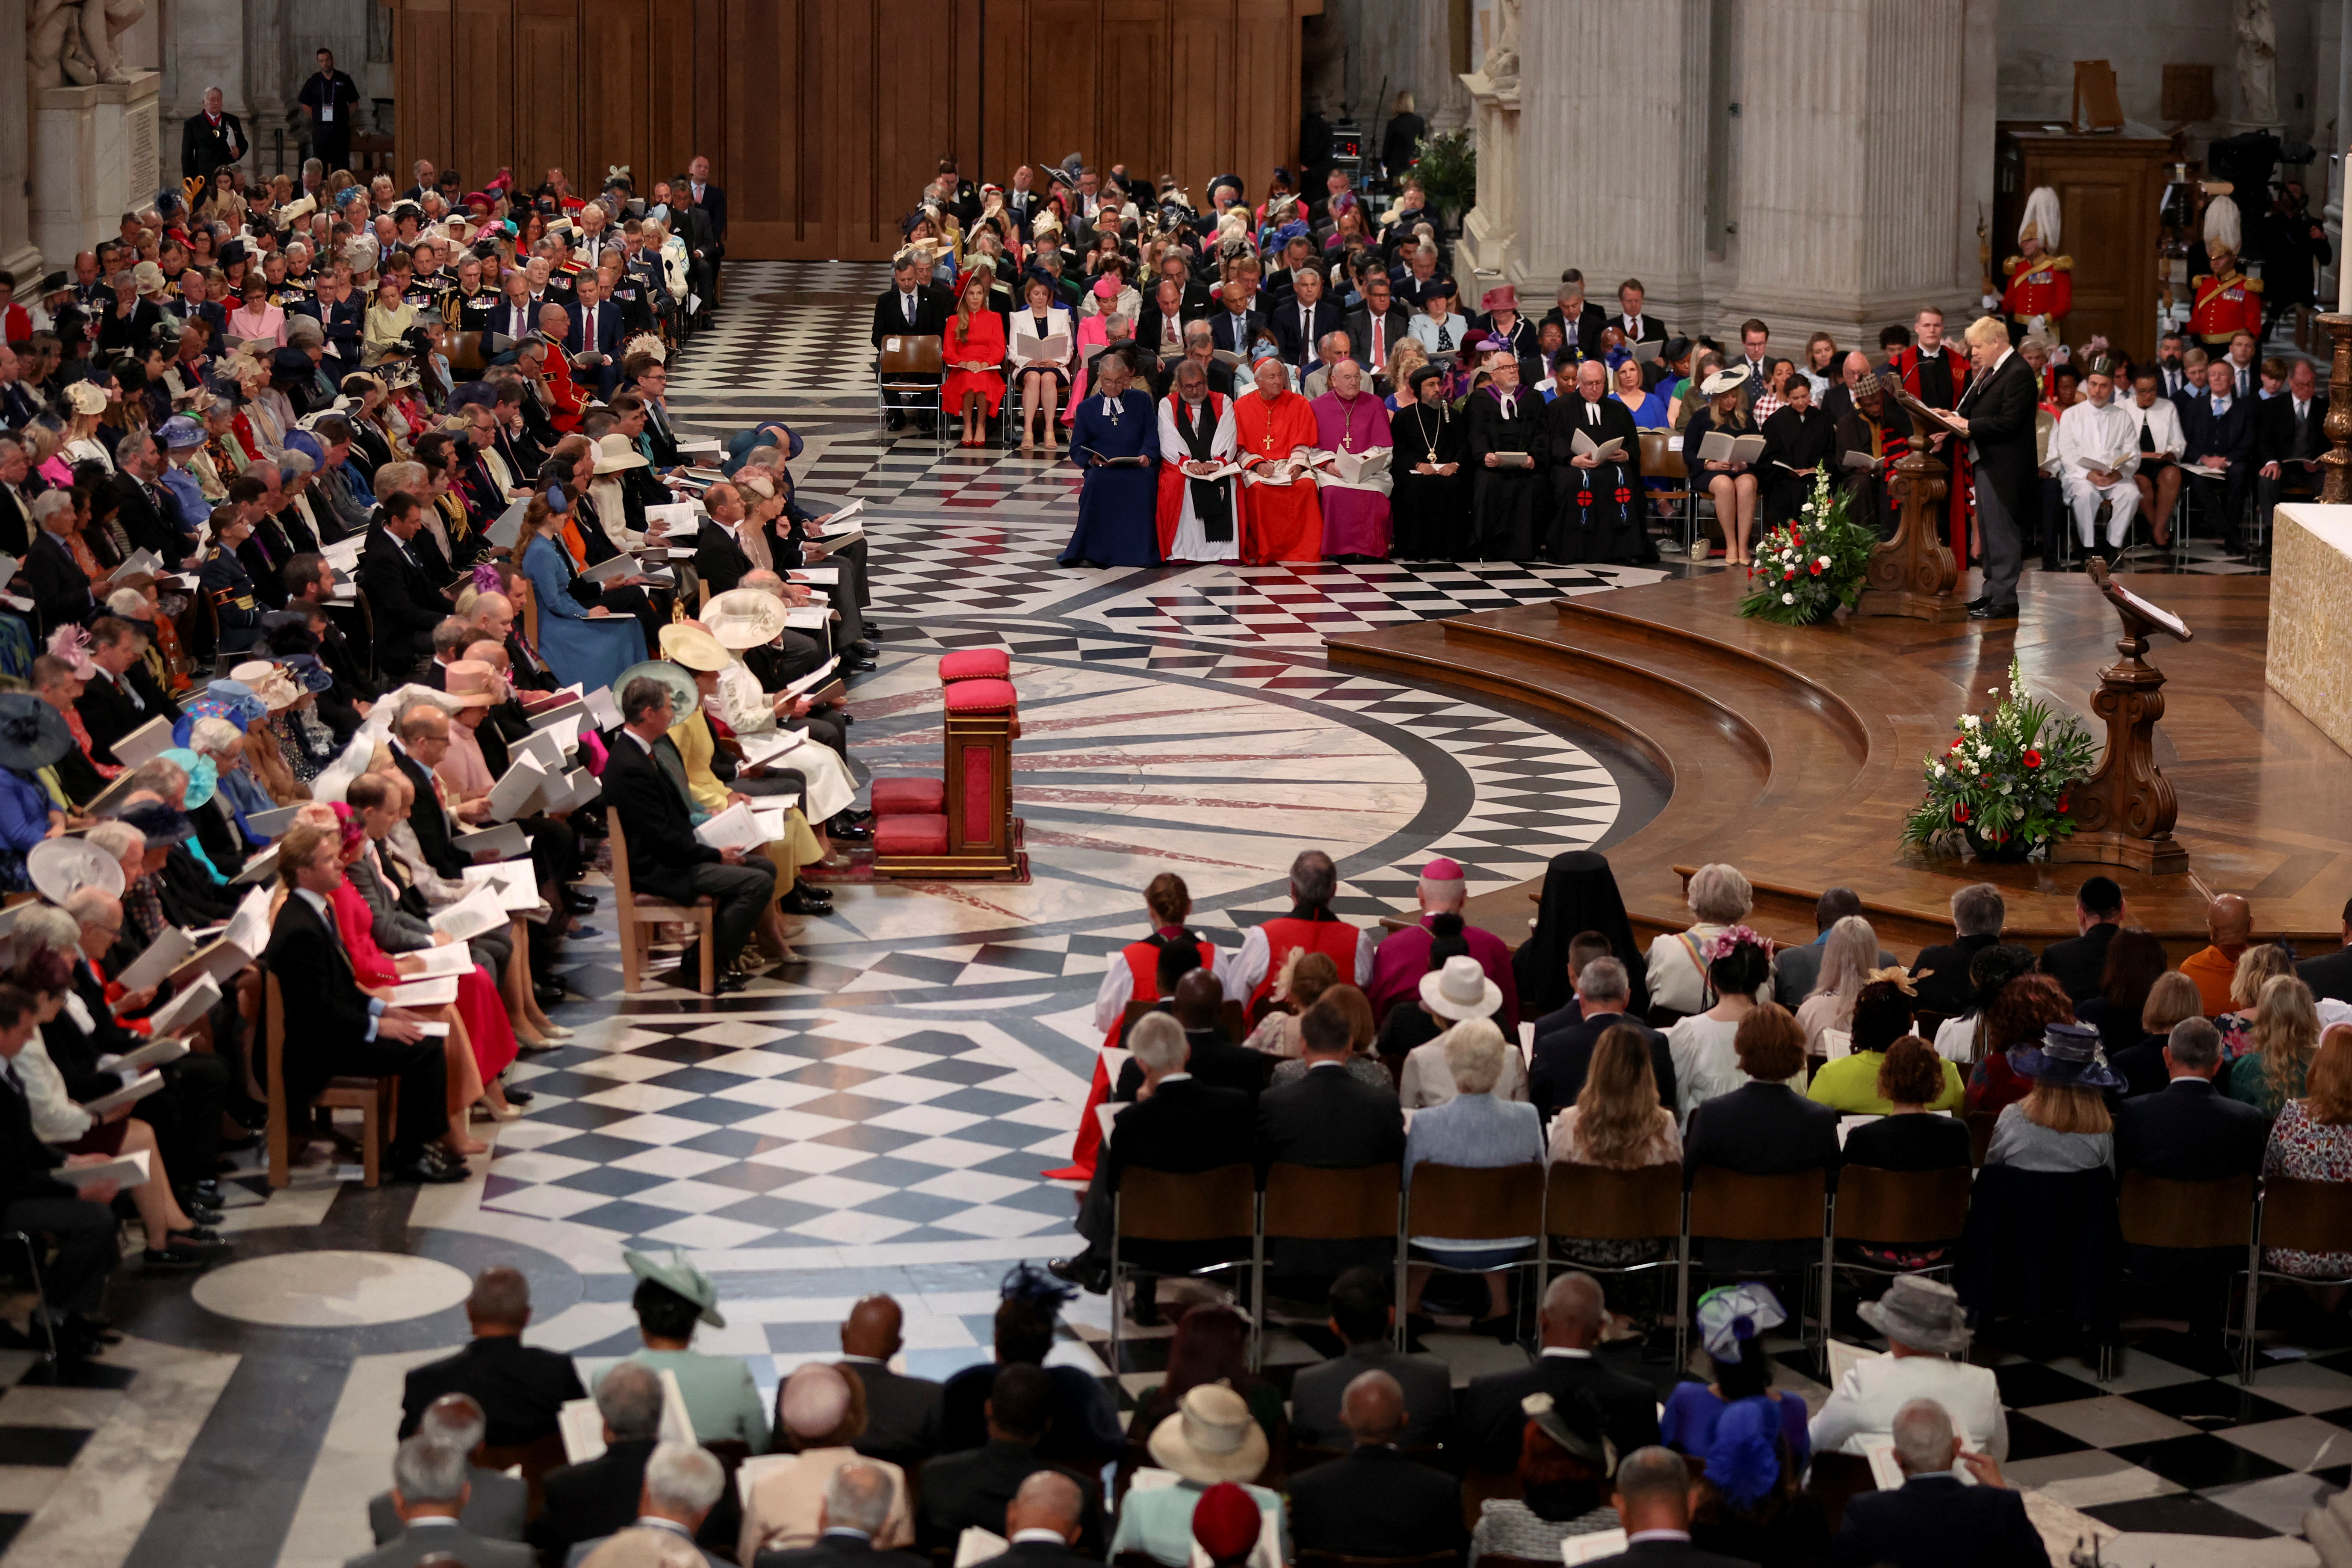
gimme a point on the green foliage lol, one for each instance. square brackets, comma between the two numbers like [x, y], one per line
[1806, 568]
[1447, 165]
[2001, 788]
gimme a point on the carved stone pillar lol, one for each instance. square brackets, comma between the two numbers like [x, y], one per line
[95, 155]
[18, 254]
[1491, 232]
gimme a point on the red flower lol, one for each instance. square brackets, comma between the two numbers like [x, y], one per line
[1959, 811]
[1956, 749]
[2033, 758]
[2062, 803]
[1816, 568]
[1787, 572]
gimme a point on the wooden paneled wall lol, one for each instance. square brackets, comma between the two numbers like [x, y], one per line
[823, 119]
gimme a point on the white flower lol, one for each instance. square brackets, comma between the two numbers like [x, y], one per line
[1936, 769]
[1788, 598]
[1825, 563]
[1969, 720]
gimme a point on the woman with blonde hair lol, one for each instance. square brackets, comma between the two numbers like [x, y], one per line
[1733, 486]
[2257, 967]
[2282, 1039]
[1617, 1123]
[2063, 1123]
[1848, 957]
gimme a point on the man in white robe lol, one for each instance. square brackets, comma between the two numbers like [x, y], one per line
[1196, 439]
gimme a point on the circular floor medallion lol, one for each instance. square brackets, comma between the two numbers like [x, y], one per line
[332, 1290]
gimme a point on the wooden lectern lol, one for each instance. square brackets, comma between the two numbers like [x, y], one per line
[1914, 573]
[2124, 813]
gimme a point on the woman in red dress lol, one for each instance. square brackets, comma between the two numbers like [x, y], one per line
[975, 352]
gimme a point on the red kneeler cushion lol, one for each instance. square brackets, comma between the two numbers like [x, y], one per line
[975, 664]
[920, 833]
[902, 798]
[983, 696]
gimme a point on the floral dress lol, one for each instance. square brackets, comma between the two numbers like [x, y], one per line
[2307, 1151]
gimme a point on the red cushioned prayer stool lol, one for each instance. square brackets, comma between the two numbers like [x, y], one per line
[981, 838]
[975, 664]
[909, 796]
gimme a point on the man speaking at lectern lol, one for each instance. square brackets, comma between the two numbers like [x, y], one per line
[1996, 415]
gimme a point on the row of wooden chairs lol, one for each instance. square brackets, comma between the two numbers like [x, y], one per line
[1891, 1209]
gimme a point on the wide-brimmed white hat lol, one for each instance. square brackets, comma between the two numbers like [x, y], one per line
[1212, 1437]
[694, 647]
[269, 682]
[1723, 381]
[61, 867]
[614, 453]
[1460, 990]
[744, 617]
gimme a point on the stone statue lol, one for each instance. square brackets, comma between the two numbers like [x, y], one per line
[2257, 63]
[1501, 66]
[72, 43]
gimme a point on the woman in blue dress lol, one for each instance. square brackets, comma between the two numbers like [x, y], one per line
[583, 646]
[1115, 442]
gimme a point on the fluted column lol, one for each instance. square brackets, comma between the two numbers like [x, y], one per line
[1613, 148]
[1847, 186]
[17, 252]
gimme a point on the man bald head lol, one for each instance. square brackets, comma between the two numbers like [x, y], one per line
[2230, 921]
[1048, 1500]
[1572, 1312]
[872, 1329]
[1372, 1409]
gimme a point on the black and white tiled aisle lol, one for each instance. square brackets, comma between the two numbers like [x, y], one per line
[877, 1117]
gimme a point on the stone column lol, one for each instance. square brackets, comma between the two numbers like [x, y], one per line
[1613, 149]
[1850, 164]
[2339, 173]
[18, 254]
[1491, 231]
[95, 157]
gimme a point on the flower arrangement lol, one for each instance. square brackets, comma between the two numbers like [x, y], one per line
[1810, 566]
[2002, 787]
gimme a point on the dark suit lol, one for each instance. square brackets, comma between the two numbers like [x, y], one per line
[205, 144]
[2281, 437]
[1586, 338]
[1489, 1422]
[316, 980]
[405, 601]
[1186, 1125]
[902, 1414]
[1039, 1555]
[1316, 1392]
[1393, 330]
[2228, 435]
[426, 816]
[61, 595]
[891, 319]
[34, 1199]
[1298, 335]
[146, 520]
[1947, 990]
[16, 530]
[598, 1496]
[669, 861]
[1564, 1058]
[972, 1487]
[841, 1552]
[1236, 337]
[1998, 406]
[494, 1511]
[1937, 1521]
[1372, 1501]
[606, 341]
[718, 560]
[519, 1388]
[1216, 1061]
[461, 1544]
[2329, 975]
[2076, 962]
[2189, 1132]
[109, 713]
[1327, 1119]
[1151, 322]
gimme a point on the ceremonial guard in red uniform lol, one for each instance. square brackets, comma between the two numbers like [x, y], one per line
[2227, 302]
[2041, 281]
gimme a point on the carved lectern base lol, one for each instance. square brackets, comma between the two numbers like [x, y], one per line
[1933, 607]
[2163, 857]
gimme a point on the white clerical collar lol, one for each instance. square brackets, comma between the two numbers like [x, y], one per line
[1054, 1536]
[1176, 1078]
[1566, 1353]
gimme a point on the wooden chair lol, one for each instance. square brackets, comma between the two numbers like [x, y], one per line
[913, 368]
[377, 1099]
[2151, 1211]
[1464, 1203]
[630, 912]
[533, 1459]
[464, 352]
[1728, 1205]
[1661, 462]
[2303, 1216]
[1589, 1202]
[1901, 1208]
[1314, 1202]
[1980, 1124]
[1148, 1205]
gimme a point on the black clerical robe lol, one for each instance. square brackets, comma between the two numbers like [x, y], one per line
[1430, 511]
[1795, 447]
[1506, 501]
[1597, 513]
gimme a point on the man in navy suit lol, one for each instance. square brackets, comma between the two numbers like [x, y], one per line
[1305, 318]
[1935, 1520]
[596, 329]
[2219, 431]
[1235, 322]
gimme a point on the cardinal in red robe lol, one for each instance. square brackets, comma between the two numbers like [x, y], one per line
[1274, 432]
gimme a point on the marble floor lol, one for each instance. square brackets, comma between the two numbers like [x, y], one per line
[879, 1116]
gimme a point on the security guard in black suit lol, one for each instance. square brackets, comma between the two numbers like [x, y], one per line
[225, 582]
